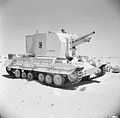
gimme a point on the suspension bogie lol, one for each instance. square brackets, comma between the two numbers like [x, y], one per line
[52, 79]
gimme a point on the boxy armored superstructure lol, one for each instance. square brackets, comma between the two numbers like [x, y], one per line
[54, 44]
[52, 59]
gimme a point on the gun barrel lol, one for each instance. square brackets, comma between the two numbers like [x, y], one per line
[85, 36]
[82, 39]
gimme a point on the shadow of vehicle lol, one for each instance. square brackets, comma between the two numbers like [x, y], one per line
[9, 76]
[83, 82]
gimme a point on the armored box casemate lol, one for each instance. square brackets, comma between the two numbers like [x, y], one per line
[46, 44]
[36, 44]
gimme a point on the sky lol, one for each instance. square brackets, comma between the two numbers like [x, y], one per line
[19, 18]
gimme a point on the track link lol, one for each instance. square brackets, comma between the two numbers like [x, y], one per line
[65, 85]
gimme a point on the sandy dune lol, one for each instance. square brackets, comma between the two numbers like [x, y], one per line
[99, 98]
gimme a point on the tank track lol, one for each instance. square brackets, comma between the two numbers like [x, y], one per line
[67, 84]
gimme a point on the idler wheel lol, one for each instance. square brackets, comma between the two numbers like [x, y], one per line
[9, 70]
[72, 77]
[48, 79]
[30, 76]
[24, 75]
[41, 77]
[58, 80]
[17, 73]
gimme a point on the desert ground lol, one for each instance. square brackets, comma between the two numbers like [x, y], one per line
[98, 98]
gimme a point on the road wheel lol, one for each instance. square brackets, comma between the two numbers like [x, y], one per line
[17, 73]
[48, 79]
[41, 77]
[30, 76]
[24, 75]
[72, 77]
[58, 80]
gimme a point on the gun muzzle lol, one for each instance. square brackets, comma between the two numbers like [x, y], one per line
[93, 32]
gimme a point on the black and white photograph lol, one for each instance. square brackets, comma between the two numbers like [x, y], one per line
[59, 58]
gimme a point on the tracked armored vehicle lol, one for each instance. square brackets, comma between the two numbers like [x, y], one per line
[51, 59]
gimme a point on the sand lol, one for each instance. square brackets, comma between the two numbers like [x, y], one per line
[99, 98]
